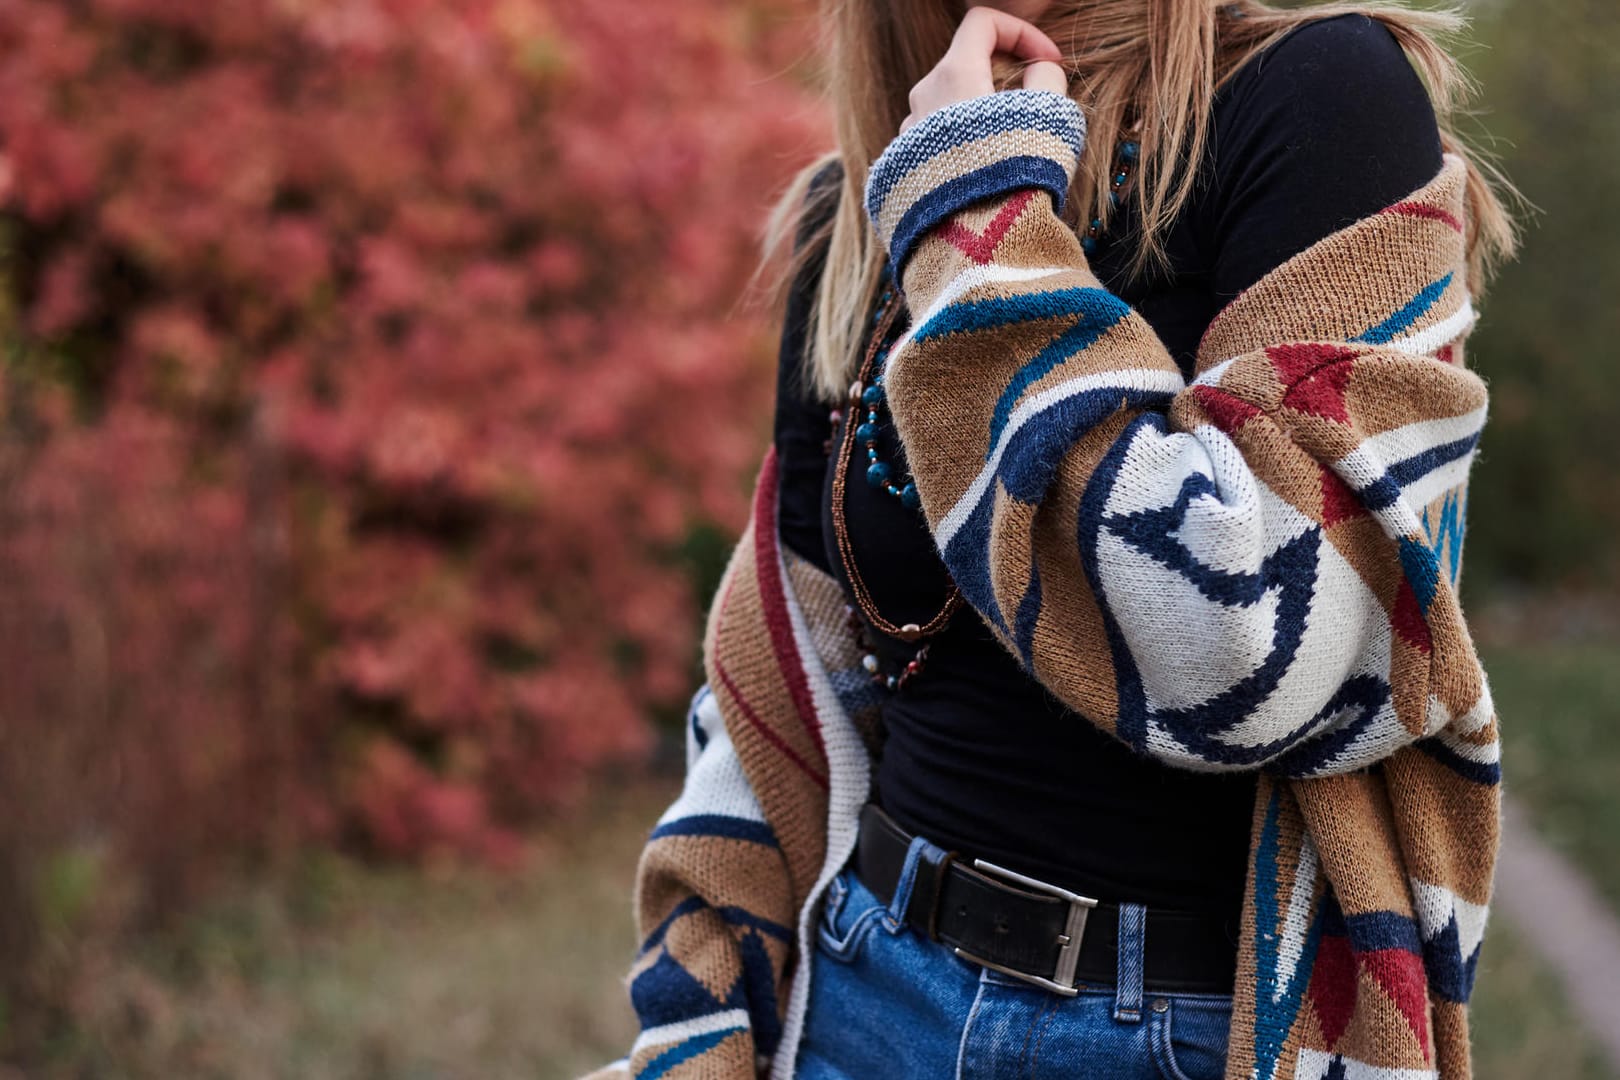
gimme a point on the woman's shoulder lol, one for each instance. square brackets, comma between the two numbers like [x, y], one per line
[1328, 80]
[1338, 57]
[1325, 126]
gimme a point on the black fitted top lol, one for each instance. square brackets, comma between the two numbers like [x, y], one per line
[1328, 125]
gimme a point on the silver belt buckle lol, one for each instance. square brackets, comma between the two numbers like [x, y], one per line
[1062, 980]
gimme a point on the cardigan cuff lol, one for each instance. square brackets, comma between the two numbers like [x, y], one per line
[971, 150]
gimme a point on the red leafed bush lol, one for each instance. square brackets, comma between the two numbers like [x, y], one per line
[368, 365]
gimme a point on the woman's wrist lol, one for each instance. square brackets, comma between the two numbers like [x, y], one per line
[968, 151]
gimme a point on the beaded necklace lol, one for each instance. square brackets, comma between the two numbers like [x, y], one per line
[1124, 164]
[866, 394]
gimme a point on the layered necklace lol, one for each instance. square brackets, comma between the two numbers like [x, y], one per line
[868, 402]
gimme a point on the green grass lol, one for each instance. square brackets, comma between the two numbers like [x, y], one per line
[352, 971]
[1520, 1020]
[1559, 707]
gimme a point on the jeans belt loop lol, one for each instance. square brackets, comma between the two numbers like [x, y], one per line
[942, 872]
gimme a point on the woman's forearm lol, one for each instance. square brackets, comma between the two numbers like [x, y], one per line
[1226, 575]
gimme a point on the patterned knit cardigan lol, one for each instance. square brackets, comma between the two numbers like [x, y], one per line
[1256, 570]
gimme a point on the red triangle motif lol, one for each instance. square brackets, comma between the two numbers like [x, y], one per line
[1407, 618]
[981, 246]
[1400, 974]
[1333, 986]
[1225, 411]
[1295, 362]
[1339, 503]
[1314, 378]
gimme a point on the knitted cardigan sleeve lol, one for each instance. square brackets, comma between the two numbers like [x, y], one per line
[1254, 570]
[715, 913]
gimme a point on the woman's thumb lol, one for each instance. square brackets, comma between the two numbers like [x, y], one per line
[1046, 75]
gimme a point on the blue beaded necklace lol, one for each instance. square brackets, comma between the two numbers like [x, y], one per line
[867, 393]
[873, 398]
[1124, 163]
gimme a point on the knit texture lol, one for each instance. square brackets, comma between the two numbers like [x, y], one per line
[1256, 570]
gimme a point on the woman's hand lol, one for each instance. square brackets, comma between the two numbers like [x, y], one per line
[964, 72]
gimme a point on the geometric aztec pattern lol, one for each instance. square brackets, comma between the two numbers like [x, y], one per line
[1254, 568]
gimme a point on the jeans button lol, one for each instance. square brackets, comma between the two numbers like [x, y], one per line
[1160, 1005]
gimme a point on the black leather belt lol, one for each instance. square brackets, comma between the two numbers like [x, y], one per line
[1035, 931]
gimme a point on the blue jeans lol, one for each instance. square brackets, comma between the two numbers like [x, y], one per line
[885, 1002]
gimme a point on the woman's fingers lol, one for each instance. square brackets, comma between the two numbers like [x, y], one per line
[1046, 75]
[986, 31]
[964, 71]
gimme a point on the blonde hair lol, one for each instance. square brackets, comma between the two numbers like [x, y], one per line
[1151, 67]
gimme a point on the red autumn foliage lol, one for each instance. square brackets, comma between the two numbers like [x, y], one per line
[368, 363]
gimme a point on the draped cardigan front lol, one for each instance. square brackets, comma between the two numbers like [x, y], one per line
[1255, 570]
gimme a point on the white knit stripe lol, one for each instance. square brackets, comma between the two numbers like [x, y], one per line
[1361, 470]
[682, 1030]
[1370, 462]
[1430, 339]
[1318, 1064]
[1140, 379]
[1480, 754]
[1435, 907]
[716, 784]
[1482, 713]
[1441, 718]
[1451, 476]
[1437, 718]
[972, 278]
[1296, 924]
[1377, 741]
[1409, 440]
[1212, 377]
[849, 780]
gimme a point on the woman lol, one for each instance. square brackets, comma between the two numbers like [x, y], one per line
[1154, 744]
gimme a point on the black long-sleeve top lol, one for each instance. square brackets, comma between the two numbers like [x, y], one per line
[1326, 126]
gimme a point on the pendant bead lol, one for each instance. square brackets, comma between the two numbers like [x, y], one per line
[867, 394]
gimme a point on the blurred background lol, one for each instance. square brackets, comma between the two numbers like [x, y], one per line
[344, 634]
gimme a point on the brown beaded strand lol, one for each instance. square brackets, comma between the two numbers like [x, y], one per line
[907, 632]
[1126, 156]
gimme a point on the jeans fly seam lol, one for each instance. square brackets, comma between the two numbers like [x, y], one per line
[1044, 1020]
[967, 1029]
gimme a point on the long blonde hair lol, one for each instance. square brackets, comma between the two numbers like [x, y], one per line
[1151, 65]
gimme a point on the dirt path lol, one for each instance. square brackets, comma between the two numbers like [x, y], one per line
[1558, 914]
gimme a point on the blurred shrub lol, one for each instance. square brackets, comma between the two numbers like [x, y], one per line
[1544, 508]
[369, 365]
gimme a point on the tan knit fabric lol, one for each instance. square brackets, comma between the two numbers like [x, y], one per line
[1288, 525]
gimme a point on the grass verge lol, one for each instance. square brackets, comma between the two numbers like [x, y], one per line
[1559, 704]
